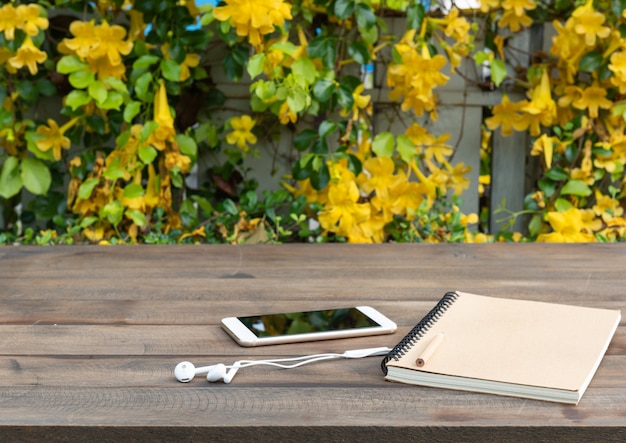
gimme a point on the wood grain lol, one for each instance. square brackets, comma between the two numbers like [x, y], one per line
[89, 337]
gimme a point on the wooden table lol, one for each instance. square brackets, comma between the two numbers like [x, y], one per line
[89, 338]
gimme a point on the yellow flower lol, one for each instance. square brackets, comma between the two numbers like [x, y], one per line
[343, 213]
[571, 226]
[84, 41]
[162, 115]
[103, 68]
[111, 43]
[190, 61]
[254, 18]
[286, 115]
[545, 145]
[593, 98]
[542, 108]
[457, 178]
[370, 231]
[53, 139]
[242, 132]
[31, 20]
[9, 21]
[457, 27]
[487, 5]
[514, 22]
[177, 160]
[414, 79]
[439, 150]
[28, 55]
[607, 207]
[360, 102]
[618, 67]
[378, 176]
[589, 23]
[506, 116]
[519, 7]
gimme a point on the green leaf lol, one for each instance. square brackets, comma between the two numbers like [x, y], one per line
[320, 147]
[113, 212]
[98, 91]
[557, 174]
[562, 205]
[230, 207]
[304, 139]
[354, 164]
[45, 88]
[383, 144]
[576, 187]
[547, 186]
[359, 52]
[35, 176]
[133, 190]
[114, 171]
[286, 47]
[323, 89]
[138, 217]
[10, 179]
[324, 48]
[142, 86]
[70, 63]
[326, 128]
[114, 100]
[76, 99]
[298, 99]
[147, 154]
[147, 129]
[81, 79]
[406, 148]
[87, 187]
[145, 61]
[27, 90]
[255, 65]
[365, 17]
[481, 57]
[369, 35]
[171, 70]
[131, 110]
[415, 15]
[301, 169]
[590, 61]
[321, 177]
[187, 145]
[304, 71]
[88, 221]
[534, 227]
[344, 8]
[498, 72]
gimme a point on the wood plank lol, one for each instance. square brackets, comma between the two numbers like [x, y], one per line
[176, 340]
[204, 312]
[89, 337]
[278, 405]
[153, 371]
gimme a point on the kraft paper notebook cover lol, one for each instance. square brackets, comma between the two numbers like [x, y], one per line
[503, 346]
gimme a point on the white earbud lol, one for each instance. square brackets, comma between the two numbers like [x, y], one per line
[218, 372]
[186, 371]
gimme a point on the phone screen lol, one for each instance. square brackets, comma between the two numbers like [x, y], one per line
[274, 325]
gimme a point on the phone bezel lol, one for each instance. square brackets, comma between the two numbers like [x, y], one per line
[244, 337]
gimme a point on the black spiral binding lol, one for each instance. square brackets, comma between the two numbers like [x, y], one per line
[419, 330]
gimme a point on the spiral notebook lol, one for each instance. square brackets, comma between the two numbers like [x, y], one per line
[518, 348]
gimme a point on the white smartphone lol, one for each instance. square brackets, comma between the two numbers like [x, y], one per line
[291, 327]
